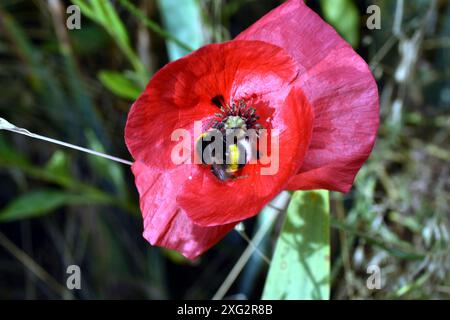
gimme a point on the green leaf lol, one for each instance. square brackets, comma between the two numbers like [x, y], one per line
[85, 8]
[115, 25]
[119, 84]
[182, 19]
[344, 16]
[104, 13]
[38, 203]
[300, 267]
[58, 163]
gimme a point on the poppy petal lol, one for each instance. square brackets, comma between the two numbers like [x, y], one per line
[165, 224]
[236, 200]
[339, 86]
[182, 92]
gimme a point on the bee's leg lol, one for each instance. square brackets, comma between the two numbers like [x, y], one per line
[219, 170]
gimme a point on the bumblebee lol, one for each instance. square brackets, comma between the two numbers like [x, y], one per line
[226, 145]
[227, 155]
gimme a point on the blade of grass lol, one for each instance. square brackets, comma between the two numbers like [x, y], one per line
[35, 268]
[103, 13]
[41, 202]
[120, 85]
[86, 113]
[153, 26]
[9, 158]
[300, 266]
[182, 19]
[272, 210]
[393, 250]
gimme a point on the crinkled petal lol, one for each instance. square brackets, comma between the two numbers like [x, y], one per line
[165, 224]
[338, 85]
[182, 92]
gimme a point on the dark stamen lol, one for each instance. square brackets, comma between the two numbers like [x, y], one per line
[219, 101]
[239, 109]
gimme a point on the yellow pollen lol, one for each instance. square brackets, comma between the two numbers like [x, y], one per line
[233, 166]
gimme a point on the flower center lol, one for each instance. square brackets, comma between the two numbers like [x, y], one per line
[236, 116]
[226, 146]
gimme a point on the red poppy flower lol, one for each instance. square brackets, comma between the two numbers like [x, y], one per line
[289, 73]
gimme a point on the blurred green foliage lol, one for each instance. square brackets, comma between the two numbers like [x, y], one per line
[78, 86]
[182, 19]
[345, 17]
